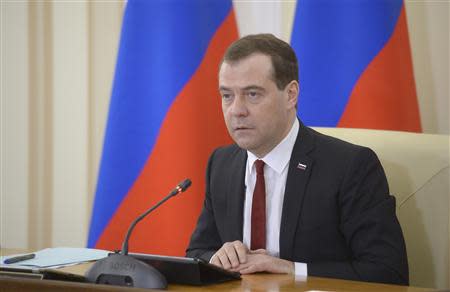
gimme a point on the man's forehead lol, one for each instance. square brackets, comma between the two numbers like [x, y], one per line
[253, 65]
[252, 59]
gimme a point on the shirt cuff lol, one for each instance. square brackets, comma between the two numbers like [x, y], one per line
[301, 269]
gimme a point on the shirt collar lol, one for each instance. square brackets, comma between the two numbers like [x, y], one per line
[278, 158]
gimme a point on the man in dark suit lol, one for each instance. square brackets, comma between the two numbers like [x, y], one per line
[285, 198]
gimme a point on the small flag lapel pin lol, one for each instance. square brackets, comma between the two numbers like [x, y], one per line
[301, 166]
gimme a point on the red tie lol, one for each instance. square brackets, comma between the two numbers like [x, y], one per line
[259, 209]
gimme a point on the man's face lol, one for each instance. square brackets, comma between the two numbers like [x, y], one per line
[258, 115]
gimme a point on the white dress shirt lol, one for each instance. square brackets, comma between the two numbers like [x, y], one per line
[275, 175]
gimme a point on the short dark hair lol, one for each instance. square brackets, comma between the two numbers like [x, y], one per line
[284, 60]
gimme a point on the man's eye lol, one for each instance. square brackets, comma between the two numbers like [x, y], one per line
[253, 95]
[226, 96]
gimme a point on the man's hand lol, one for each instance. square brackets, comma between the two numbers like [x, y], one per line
[262, 262]
[235, 256]
[230, 255]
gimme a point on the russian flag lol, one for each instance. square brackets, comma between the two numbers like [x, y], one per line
[164, 120]
[355, 65]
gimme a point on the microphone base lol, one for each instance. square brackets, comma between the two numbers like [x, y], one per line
[124, 270]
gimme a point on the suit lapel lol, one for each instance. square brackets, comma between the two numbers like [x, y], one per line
[300, 166]
[236, 196]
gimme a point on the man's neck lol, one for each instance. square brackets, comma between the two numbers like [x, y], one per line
[262, 154]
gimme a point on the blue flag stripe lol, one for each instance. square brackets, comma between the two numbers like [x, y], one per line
[335, 41]
[162, 44]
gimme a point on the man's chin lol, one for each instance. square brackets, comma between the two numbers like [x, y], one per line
[245, 144]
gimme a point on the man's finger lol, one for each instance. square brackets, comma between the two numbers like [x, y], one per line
[231, 253]
[224, 260]
[241, 251]
[250, 270]
[258, 251]
[216, 261]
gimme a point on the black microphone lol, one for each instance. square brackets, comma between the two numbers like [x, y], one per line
[124, 270]
[181, 187]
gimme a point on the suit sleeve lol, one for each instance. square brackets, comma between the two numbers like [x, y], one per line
[369, 226]
[205, 240]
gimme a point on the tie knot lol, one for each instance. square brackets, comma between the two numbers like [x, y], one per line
[259, 165]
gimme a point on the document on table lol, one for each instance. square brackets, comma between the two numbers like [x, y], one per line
[57, 257]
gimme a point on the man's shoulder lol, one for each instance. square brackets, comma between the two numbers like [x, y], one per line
[228, 152]
[326, 140]
[226, 158]
[338, 148]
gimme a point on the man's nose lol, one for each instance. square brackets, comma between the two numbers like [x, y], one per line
[239, 106]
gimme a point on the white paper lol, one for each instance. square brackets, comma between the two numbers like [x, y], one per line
[57, 257]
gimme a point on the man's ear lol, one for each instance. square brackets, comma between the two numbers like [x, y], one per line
[292, 90]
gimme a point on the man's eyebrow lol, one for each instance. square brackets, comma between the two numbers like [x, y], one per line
[223, 88]
[250, 87]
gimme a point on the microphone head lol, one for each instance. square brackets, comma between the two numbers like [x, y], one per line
[184, 184]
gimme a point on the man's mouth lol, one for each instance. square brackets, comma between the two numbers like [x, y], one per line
[241, 128]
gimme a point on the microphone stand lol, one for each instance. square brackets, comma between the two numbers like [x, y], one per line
[123, 270]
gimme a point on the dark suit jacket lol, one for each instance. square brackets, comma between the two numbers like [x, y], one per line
[337, 217]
